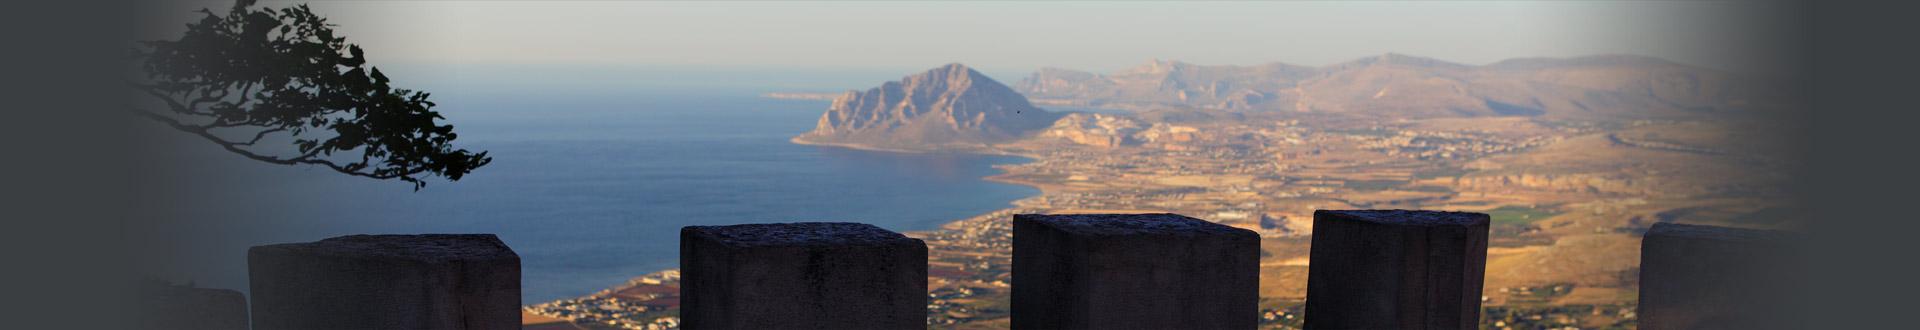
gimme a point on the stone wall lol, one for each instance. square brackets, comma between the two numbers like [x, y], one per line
[1372, 269]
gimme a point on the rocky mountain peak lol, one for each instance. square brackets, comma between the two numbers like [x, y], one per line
[948, 106]
[952, 74]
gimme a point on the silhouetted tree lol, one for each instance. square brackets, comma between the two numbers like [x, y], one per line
[261, 74]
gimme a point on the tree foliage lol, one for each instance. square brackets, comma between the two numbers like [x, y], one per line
[255, 74]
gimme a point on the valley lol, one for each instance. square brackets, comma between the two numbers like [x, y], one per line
[1571, 184]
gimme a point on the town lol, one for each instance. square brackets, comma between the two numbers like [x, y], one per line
[1565, 195]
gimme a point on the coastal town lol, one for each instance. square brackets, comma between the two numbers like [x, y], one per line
[758, 165]
[1567, 199]
[1573, 159]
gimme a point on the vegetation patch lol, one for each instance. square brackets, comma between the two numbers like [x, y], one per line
[1514, 215]
[1440, 172]
[1374, 184]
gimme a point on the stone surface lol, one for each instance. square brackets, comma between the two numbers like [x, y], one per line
[1133, 271]
[386, 282]
[801, 276]
[1704, 277]
[1396, 269]
[185, 308]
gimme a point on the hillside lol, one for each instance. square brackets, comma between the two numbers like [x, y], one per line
[952, 106]
[1402, 86]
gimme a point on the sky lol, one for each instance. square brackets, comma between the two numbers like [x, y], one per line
[1018, 37]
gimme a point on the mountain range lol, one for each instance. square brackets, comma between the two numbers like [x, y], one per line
[1402, 86]
[956, 107]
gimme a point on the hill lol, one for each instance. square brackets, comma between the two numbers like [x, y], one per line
[947, 107]
[1402, 86]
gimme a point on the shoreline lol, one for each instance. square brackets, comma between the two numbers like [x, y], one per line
[982, 150]
[797, 140]
[985, 149]
[989, 150]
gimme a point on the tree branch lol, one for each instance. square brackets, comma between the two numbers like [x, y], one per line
[305, 159]
[207, 96]
[261, 134]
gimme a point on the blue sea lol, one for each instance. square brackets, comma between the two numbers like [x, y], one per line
[595, 170]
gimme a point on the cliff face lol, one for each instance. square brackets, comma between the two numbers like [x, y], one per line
[948, 107]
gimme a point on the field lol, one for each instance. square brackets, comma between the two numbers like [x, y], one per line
[1513, 215]
[1568, 202]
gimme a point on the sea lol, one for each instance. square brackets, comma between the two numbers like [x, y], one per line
[594, 172]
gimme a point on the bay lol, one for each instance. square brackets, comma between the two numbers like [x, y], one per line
[590, 183]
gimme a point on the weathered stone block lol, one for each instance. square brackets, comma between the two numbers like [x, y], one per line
[1396, 269]
[386, 282]
[1133, 271]
[801, 276]
[1706, 277]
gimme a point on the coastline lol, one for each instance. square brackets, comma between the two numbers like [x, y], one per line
[650, 285]
[989, 150]
[1002, 177]
[797, 140]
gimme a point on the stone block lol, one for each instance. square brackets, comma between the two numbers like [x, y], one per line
[1396, 269]
[1133, 271]
[386, 282]
[1707, 277]
[801, 276]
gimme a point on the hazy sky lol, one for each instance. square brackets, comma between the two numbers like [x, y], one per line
[1019, 37]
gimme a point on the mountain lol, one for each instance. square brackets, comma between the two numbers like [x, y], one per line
[951, 106]
[1165, 82]
[1396, 85]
